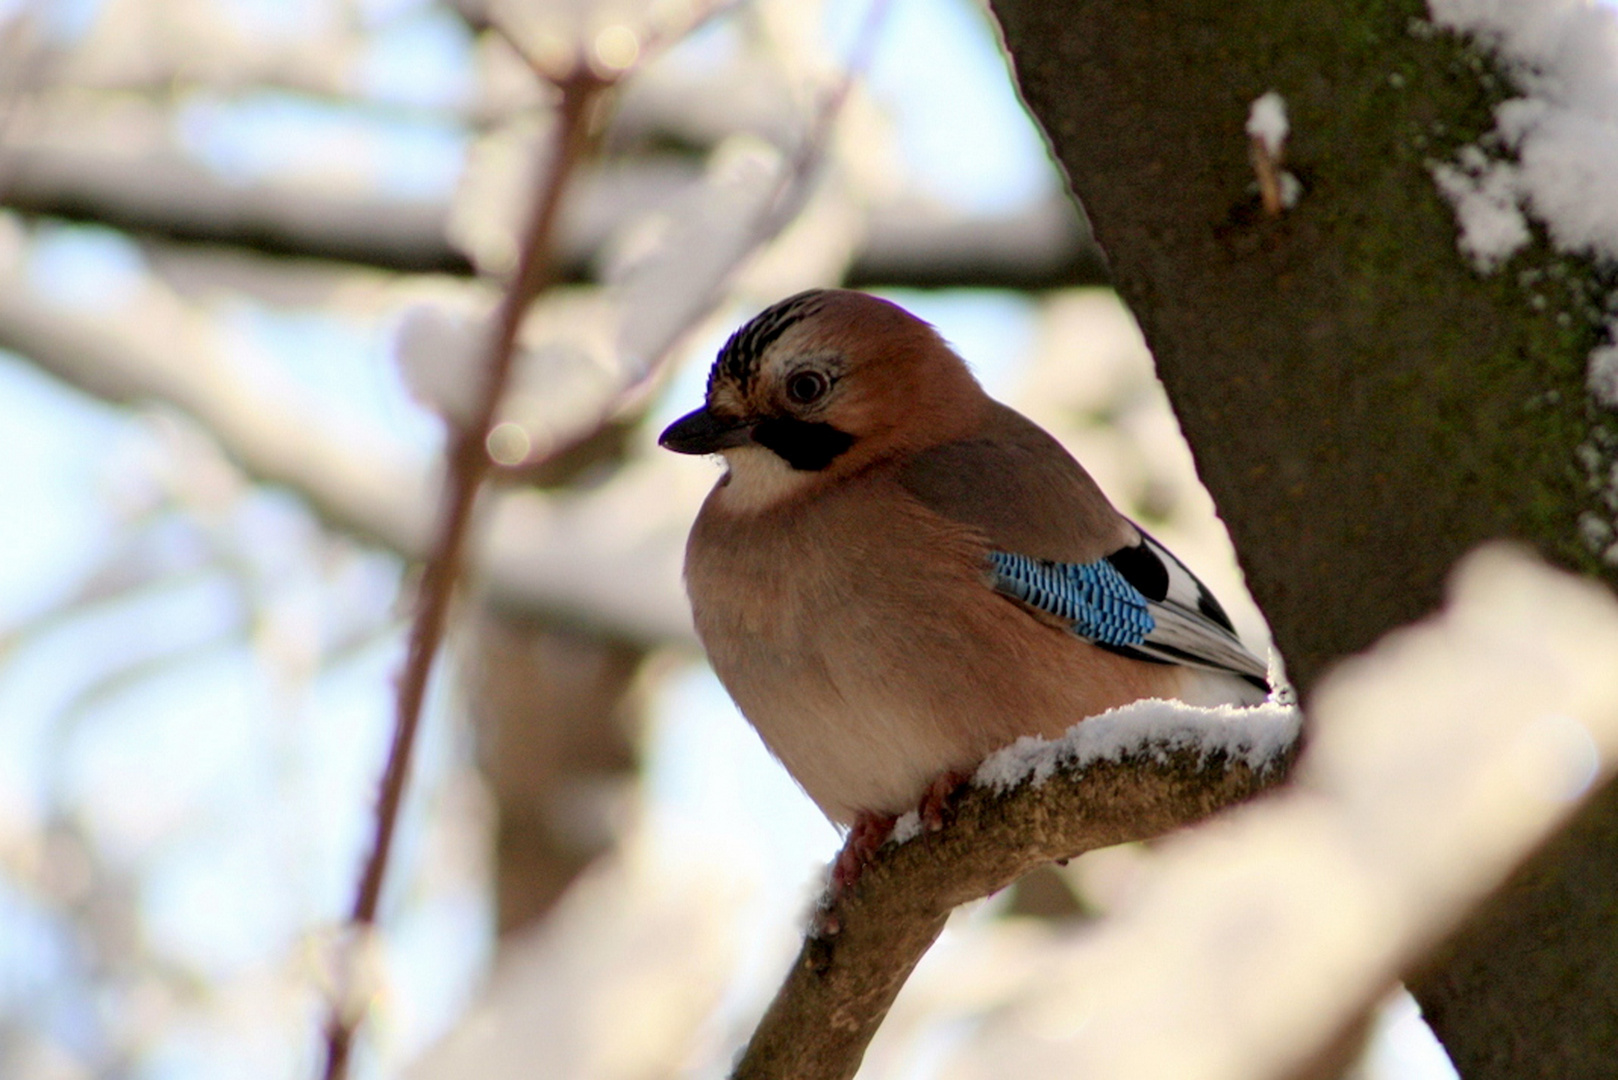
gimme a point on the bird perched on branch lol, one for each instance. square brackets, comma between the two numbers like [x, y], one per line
[897, 574]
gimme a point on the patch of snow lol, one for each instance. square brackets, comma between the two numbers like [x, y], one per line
[1602, 376]
[1255, 736]
[1567, 156]
[1597, 533]
[1291, 190]
[1267, 122]
[437, 351]
[906, 829]
[1562, 131]
[1282, 692]
[1485, 200]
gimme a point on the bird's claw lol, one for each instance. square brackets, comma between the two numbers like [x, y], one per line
[864, 838]
[935, 801]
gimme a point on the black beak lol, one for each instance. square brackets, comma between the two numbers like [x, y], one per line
[702, 432]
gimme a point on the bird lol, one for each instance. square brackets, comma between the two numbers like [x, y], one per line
[897, 574]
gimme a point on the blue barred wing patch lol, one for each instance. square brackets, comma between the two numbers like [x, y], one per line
[1094, 597]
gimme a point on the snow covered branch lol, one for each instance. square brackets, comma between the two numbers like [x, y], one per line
[1132, 774]
[94, 171]
[1438, 762]
[608, 559]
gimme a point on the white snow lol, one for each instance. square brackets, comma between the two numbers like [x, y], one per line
[1254, 736]
[906, 829]
[1595, 530]
[1267, 126]
[1291, 189]
[1562, 131]
[1602, 378]
[1485, 201]
[1567, 156]
[1267, 122]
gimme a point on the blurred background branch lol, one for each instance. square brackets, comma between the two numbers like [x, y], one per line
[361, 481]
[163, 196]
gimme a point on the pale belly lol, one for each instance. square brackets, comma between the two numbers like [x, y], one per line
[852, 748]
[871, 669]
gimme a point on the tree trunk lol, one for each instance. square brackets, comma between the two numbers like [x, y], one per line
[557, 715]
[1363, 406]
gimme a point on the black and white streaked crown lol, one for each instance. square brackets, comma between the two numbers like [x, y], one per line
[739, 360]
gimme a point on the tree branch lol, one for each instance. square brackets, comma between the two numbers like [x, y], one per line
[844, 980]
[158, 193]
[582, 560]
[1438, 761]
[468, 458]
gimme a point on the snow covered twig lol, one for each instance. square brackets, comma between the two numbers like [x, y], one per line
[1267, 131]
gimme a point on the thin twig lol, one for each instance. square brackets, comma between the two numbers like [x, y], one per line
[1267, 167]
[468, 464]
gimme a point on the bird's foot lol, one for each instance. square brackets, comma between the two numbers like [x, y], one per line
[935, 801]
[864, 838]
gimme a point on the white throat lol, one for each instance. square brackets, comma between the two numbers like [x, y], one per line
[759, 479]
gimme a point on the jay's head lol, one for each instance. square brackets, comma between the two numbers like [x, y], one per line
[828, 381]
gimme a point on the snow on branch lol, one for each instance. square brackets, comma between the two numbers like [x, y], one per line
[1131, 774]
[121, 169]
[1257, 738]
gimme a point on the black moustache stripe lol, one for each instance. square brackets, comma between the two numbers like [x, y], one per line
[805, 446]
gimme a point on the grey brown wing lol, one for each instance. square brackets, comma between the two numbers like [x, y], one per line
[1058, 546]
[1020, 488]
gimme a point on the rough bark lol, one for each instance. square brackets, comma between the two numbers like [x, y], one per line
[1362, 405]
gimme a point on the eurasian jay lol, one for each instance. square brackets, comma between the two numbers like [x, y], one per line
[897, 574]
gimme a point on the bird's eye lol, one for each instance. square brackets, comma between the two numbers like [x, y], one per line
[806, 387]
